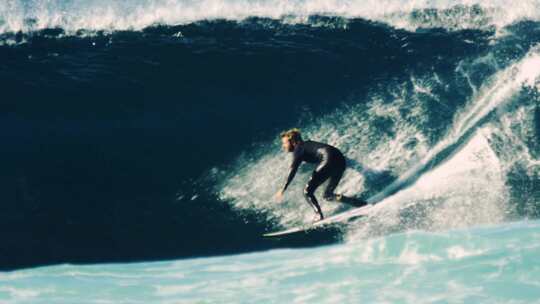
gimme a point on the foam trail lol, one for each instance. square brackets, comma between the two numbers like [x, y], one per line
[353, 129]
[468, 189]
[499, 91]
[100, 15]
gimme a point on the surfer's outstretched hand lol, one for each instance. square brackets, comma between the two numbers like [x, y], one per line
[279, 196]
[317, 218]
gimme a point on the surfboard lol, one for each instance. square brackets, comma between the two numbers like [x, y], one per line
[336, 218]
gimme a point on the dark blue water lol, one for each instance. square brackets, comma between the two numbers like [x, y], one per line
[108, 138]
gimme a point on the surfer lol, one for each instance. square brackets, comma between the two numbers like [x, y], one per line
[330, 166]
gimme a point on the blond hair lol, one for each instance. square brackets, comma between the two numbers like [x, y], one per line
[292, 135]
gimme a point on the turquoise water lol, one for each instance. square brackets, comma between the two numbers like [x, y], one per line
[488, 264]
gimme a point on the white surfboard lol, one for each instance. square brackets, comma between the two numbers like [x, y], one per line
[337, 218]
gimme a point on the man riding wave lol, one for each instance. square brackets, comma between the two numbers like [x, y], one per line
[330, 166]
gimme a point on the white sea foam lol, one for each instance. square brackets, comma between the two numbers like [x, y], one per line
[410, 255]
[458, 252]
[470, 186]
[102, 15]
[19, 294]
[171, 290]
[497, 92]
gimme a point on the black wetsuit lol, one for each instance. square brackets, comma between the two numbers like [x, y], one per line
[331, 166]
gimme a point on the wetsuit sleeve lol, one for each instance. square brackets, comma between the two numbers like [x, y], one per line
[294, 167]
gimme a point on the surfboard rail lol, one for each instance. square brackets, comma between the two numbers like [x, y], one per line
[336, 218]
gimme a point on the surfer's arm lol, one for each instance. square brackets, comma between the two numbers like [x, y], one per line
[294, 167]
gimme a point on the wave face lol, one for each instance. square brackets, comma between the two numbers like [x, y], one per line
[147, 130]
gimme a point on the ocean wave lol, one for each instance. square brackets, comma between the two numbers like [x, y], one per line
[139, 135]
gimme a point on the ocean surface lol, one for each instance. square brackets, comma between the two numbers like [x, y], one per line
[140, 150]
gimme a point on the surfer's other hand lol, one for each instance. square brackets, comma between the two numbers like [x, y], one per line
[279, 196]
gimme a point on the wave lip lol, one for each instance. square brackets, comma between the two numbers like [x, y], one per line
[101, 15]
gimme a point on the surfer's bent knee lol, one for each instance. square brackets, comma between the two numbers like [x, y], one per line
[308, 191]
[330, 196]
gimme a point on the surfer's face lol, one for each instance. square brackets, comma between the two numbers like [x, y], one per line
[286, 144]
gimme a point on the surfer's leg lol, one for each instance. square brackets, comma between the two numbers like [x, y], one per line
[353, 201]
[330, 195]
[315, 181]
[335, 172]
[314, 204]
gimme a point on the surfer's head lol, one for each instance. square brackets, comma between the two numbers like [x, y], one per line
[289, 139]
